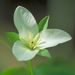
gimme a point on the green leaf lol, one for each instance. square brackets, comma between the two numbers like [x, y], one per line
[4, 42]
[0, 73]
[56, 67]
[15, 71]
[45, 53]
[12, 36]
[43, 24]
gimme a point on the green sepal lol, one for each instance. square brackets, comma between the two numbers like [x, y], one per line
[12, 37]
[43, 24]
[44, 53]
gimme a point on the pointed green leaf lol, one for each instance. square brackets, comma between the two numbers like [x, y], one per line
[45, 53]
[12, 36]
[43, 24]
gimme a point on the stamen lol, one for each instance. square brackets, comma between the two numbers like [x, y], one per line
[36, 38]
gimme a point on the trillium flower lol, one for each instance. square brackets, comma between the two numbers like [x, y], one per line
[33, 37]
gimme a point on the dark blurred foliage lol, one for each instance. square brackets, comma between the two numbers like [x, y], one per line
[53, 67]
[8, 7]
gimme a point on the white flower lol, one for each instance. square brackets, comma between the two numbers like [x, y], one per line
[34, 37]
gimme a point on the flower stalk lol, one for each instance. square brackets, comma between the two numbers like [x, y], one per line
[30, 67]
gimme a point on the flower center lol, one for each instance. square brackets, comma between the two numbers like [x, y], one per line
[33, 41]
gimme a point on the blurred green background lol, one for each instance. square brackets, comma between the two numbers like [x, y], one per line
[62, 16]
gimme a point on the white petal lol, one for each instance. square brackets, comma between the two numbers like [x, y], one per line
[25, 22]
[22, 53]
[53, 37]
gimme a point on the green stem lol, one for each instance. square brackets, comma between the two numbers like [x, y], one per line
[30, 67]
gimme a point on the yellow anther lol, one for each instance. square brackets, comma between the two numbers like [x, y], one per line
[36, 38]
